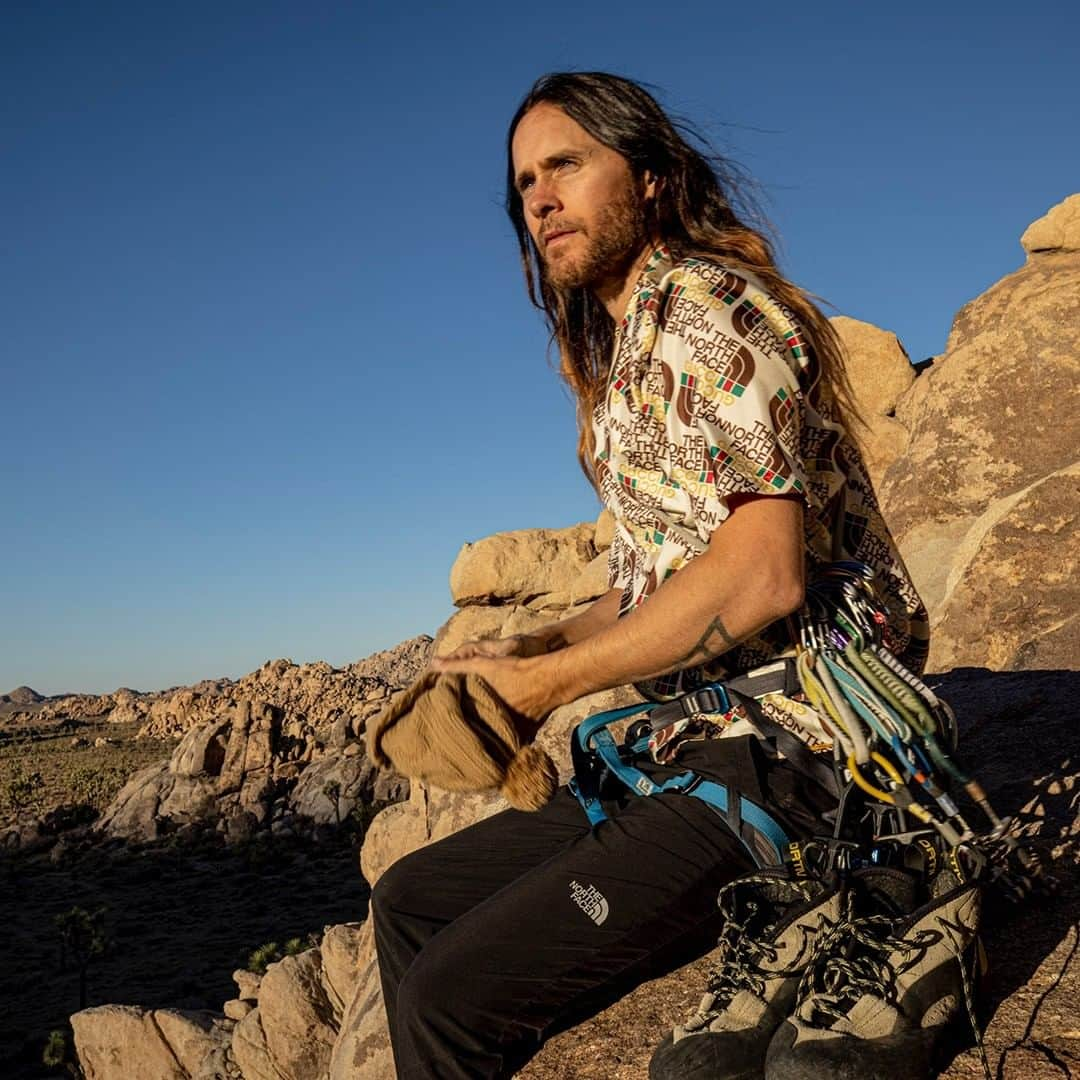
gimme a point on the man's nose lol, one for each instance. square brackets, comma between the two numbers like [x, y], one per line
[543, 199]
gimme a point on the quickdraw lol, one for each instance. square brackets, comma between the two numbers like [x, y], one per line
[895, 738]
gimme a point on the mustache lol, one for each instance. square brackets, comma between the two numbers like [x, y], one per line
[558, 227]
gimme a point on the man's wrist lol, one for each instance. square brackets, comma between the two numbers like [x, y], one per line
[562, 674]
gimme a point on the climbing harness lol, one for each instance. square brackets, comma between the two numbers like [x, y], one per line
[893, 768]
[595, 755]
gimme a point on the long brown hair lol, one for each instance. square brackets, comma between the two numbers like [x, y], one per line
[693, 215]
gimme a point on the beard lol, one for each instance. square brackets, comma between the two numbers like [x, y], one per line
[611, 244]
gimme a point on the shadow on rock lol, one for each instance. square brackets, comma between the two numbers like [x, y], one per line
[1018, 732]
[178, 920]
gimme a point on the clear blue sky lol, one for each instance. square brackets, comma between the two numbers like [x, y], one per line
[266, 356]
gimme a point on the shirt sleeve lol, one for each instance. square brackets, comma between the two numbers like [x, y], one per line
[615, 575]
[620, 558]
[731, 361]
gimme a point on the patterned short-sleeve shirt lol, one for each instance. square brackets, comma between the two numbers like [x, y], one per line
[714, 392]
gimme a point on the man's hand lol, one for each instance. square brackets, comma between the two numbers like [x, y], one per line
[516, 645]
[519, 668]
[521, 682]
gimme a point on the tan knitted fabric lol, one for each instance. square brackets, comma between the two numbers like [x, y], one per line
[455, 732]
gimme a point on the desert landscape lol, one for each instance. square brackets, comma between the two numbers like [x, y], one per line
[184, 873]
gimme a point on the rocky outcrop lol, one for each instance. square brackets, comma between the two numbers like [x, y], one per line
[1057, 231]
[317, 693]
[57, 709]
[115, 1041]
[290, 1033]
[277, 749]
[542, 569]
[880, 374]
[985, 501]
[398, 666]
[250, 769]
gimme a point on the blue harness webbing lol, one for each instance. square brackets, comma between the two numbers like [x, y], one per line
[594, 753]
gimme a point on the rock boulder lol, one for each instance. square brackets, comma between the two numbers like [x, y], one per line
[525, 566]
[880, 373]
[114, 1041]
[1057, 231]
[989, 473]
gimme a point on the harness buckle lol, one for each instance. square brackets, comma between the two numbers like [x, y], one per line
[707, 699]
[694, 782]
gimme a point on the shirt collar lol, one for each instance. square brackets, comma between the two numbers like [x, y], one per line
[658, 264]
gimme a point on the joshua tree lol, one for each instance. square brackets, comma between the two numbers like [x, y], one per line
[82, 939]
[272, 952]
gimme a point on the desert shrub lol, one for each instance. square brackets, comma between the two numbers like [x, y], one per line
[263, 957]
[59, 1054]
[21, 790]
[55, 1049]
[96, 785]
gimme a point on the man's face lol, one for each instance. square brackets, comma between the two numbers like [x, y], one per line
[583, 206]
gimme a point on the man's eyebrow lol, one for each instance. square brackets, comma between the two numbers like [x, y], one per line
[551, 159]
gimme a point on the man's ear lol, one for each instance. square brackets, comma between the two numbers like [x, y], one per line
[652, 184]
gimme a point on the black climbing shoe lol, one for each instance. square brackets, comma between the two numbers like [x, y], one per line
[890, 988]
[773, 922]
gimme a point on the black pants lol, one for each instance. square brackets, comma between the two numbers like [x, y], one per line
[525, 923]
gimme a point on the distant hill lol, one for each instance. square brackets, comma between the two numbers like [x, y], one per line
[21, 695]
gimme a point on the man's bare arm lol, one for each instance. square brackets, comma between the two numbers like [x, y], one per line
[751, 574]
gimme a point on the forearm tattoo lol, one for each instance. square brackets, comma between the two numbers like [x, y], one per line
[715, 641]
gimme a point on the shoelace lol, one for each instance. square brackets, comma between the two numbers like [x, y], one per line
[836, 980]
[744, 947]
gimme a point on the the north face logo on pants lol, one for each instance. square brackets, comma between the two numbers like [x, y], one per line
[590, 900]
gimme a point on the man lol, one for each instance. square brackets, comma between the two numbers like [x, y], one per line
[710, 394]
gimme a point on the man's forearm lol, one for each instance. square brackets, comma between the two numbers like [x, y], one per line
[750, 576]
[599, 615]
